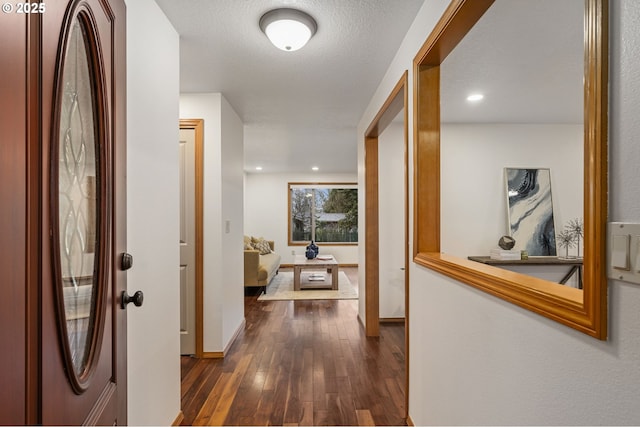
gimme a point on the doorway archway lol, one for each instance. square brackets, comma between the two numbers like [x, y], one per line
[394, 105]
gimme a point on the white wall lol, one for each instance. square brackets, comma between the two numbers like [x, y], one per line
[265, 212]
[469, 185]
[475, 186]
[233, 219]
[473, 191]
[152, 215]
[223, 298]
[478, 360]
[391, 220]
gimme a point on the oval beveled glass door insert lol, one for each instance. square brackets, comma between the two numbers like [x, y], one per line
[77, 198]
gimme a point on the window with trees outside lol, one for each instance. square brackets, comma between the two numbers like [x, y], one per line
[324, 213]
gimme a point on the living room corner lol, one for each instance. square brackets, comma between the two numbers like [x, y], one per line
[265, 213]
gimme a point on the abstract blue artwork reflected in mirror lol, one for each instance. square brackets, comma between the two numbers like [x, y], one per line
[530, 210]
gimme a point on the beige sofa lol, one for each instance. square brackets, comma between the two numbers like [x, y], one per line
[259, 269]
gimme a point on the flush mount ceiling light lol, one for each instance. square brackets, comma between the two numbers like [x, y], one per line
[475, 97]
[288, 29]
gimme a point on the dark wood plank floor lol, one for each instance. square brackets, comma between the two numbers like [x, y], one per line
[300, 363]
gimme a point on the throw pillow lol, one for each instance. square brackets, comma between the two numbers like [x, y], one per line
[248, 246]
[263, 247]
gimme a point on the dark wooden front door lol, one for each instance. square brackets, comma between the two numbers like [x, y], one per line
[62, 202]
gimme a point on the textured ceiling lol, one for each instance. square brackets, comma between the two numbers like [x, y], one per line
[300, 109]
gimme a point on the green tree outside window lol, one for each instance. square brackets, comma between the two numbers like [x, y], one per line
[325, 213]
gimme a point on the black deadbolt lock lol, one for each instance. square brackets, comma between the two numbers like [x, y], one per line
[126, 262]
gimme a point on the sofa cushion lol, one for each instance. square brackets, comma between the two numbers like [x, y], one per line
[262, 246]
[270, 262]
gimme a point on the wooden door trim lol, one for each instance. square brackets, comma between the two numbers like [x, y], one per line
[34, 230]
[372, 237]
[396, 101]
[197, 125]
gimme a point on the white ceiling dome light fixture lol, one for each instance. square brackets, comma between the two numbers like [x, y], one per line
[288, 29]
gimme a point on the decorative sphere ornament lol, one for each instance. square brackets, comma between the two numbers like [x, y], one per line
[507, 242]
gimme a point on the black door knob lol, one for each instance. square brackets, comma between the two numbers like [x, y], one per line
[137, 299]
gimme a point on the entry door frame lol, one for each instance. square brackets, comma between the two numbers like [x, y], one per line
[197, 125]
[396, 101]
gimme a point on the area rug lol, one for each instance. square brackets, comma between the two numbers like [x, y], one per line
[281, 288]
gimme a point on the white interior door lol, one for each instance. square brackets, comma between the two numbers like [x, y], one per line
[187, 242]
[391, 217]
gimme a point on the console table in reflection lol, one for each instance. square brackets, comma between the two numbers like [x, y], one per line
[574, 264]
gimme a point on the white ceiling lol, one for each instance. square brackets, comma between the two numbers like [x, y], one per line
[300, 109]
[526, 57]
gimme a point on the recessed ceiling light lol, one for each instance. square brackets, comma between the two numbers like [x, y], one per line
[475, 97]
[315, 168]
[258, 168]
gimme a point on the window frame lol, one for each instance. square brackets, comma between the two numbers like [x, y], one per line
[327, 185]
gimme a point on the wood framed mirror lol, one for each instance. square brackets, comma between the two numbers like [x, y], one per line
[582, 309]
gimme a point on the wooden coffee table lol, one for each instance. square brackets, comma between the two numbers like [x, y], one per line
[327, 262]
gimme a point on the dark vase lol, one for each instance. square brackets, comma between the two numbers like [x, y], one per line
[312, 251]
